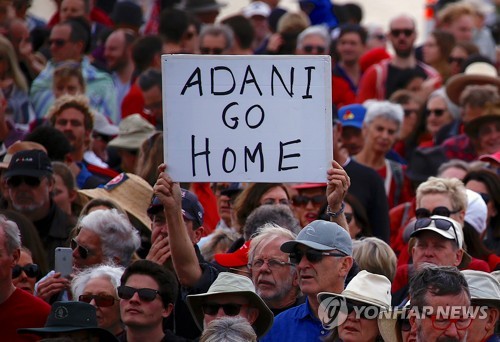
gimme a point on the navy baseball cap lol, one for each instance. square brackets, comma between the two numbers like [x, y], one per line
[32, 163]
[191, 207]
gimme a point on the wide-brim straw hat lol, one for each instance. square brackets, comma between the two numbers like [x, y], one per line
[230, 283]
[478, 73]
[130, 191]
[491, 113]
[387, 324]
[367, 288]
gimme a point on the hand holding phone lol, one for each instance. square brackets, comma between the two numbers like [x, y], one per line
[64, 261]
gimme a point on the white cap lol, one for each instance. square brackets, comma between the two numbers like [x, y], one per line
[477, 211]
[257, 8]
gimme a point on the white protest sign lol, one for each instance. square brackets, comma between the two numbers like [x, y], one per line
[247, 118]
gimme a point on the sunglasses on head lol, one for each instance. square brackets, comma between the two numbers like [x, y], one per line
[312, 255]
[441, 211]
[397, 32]
[211, 309]
[99, 300]
[31, 270]
[15, 181]
[311, 48]
[84, 252]
[441, 224]
[437, 112]
[211, 51]
[304, 200]
[146, 295]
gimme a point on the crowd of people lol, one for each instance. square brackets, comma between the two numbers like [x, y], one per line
[401, 242]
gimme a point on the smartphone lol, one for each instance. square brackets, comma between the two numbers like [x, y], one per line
[64, 261]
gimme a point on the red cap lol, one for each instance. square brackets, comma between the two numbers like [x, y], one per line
[495, 157]
[236, 259]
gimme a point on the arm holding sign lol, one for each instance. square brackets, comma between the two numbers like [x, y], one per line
[184, 258]
[336, 189]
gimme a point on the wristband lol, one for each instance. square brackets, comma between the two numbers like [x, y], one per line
[330, 213]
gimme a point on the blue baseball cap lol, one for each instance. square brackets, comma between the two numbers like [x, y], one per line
[191, 207]
[352, 115]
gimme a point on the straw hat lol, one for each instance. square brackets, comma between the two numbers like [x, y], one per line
[130, 191]
[230, 283]
[387, 325]
[365, 287]
[133, 130]
[483, 287]
[491, 113]
[478, 73]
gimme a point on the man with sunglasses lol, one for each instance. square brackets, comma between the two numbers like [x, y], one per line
[216, 39]
[322, 254]
[313, 41]
[18, 308]
[147, 294]
[440, 302]
[30, 184]
[402, 35]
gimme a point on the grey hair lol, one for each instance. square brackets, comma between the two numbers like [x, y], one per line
[109, 272]
[453, 109]
[316, 30]
[280, 214]
[383, 109]
[118, 237]
[216, 30]
[456, 163]
[266, 233]
[12, 234]
[229, 329]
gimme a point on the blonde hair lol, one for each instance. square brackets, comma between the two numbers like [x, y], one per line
[453, 11]
[293, 22]
[7, 49]
[67, 70]
[375, 256]
[452, 187]
[78, 102]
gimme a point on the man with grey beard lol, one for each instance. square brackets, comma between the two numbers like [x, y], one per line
[395, 72]
[274, 277]
[440, 302]
[30, 183]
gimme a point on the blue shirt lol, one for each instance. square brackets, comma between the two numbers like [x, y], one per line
[296, 324]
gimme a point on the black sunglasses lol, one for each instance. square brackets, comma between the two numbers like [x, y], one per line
[99, 300]
[311, 48]
[409, 112]
[397, 32]
[437, 112]
[211, 51]
[31, 270]
[441, 211]
[441, 224]
[58, 42]
[146, 295]
[84, 252]
[15, 181]
[457, 60]
[304, 200]
[312, 255]
[211, 309]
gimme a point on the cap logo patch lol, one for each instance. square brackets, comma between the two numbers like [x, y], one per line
[348, 115]
[122, 177]
[61, 312]
[311, 231]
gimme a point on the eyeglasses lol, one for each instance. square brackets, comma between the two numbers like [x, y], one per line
[273, 264]
[211, 51]
[57, 42]
[311, 48]
[441, 211]
[461, 323]
[84, 252]
[312, 255]
[348, 217]
[99, 300]
[276, 201]
[146, 295]
[15, 181]
[301, 200]
[31, 270]
[211, 309]
[397, 32]
[441, 224]
[437, 112]
[457, 60]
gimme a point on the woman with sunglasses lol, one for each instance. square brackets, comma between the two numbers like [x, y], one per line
[439, 113]
[98, 286]
[25, 273]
